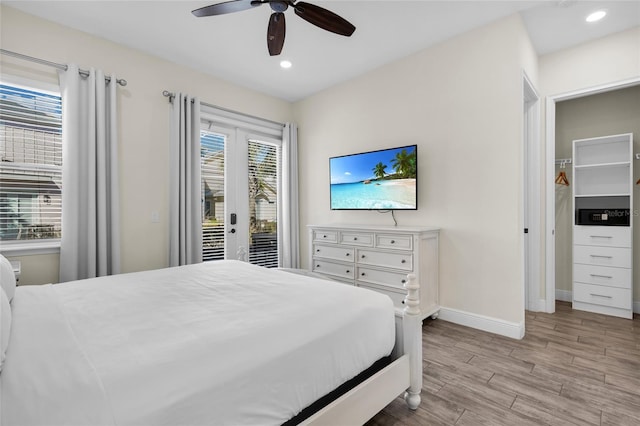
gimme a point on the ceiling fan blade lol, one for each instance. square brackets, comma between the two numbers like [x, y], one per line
[226, 7]
[275, 33]
[323, 18]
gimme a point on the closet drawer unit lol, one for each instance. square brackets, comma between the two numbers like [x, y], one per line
[601, 295]
[602, 256]
[403, 261]
[345, 254]
[356, 239]
[396, 296]
[325, 235]
[384, 278]
[390, 241]
[335, 269]
[602, 275]
[609, 236]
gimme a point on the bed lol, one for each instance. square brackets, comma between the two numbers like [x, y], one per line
[217, 343]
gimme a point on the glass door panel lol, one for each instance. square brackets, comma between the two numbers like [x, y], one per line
[263, 201]
[212, 156]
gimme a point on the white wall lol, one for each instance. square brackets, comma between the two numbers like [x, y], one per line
[143, 124]
[461, 103]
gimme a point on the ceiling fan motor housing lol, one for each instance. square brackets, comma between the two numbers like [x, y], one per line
[279, 6]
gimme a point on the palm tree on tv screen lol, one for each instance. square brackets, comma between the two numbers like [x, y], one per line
[378, 170]
[405, 164]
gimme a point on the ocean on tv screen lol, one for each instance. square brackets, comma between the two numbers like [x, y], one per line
[374, 195]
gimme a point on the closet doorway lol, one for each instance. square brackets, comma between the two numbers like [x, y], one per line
[555, 289]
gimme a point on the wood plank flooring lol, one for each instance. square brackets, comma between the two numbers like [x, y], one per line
[571, 368]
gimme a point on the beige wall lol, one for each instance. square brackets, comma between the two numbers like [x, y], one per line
[604, 61]
[143, 124]
[461, 103]
[604, 114]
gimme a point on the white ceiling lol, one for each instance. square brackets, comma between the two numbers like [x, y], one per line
[233, 47]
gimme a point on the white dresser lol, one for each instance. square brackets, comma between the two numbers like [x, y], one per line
[379, 258]
[602, 255]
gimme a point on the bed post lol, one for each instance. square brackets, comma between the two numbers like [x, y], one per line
[412, 325]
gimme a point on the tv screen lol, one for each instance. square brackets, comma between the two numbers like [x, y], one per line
[375, 180]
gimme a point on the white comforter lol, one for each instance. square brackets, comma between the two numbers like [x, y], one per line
[219, 343]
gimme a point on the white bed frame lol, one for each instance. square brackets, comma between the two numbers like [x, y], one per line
[404, 374]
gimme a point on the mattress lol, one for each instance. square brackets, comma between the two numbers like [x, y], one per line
[217, 343]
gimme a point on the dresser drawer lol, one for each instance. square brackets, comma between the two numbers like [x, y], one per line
[357, 238]
[608, 236]
[385, 278]
[326, 236]
[602, 256]
[402, 261]
[396, 296]
[390, 241]
[601, 295]
[334, 252]
[602, 275]
[335, 269]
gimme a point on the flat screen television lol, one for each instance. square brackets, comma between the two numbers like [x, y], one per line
[376, 180]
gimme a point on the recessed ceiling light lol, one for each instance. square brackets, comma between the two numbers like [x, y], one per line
[285, 64]
[596, 16]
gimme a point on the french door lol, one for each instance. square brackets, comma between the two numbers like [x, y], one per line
[240, 193]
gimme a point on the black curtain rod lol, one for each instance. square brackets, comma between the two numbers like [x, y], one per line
[63, 67]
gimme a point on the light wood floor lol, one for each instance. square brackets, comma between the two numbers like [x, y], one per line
[572, 367]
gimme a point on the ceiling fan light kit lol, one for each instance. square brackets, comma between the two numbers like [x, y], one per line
[276, 29]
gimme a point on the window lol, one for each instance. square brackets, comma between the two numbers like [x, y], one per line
[30, 164]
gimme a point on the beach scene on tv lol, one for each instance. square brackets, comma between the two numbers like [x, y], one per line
[376, 180]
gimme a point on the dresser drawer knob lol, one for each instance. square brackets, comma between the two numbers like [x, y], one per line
[362, 274]
[362, 256]
[403, 281]
[324, 236]
[393, 241]
[348, 271]
[317, 250]
[347, 254]
[403, 261]
[317, 266]
[355, 238]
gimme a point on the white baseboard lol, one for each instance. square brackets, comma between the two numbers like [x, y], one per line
[567, 296]
[564, 295]
[482, 322]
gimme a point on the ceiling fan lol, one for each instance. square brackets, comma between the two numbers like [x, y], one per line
[313, 14]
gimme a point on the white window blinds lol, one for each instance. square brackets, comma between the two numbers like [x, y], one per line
[30, 164]
[263, 202]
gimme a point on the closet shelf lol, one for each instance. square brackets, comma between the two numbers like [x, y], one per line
[622, 194]
[620, 164]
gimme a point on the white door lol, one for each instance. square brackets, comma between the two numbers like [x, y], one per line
[240, 181]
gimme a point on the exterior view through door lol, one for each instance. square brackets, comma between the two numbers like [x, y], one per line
[240, 180]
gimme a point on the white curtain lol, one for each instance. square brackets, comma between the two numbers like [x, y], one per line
[289, 222]
[90, 243]
[185, 217]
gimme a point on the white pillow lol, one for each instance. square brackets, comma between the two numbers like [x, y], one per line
[7, 278]
[5, 325]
